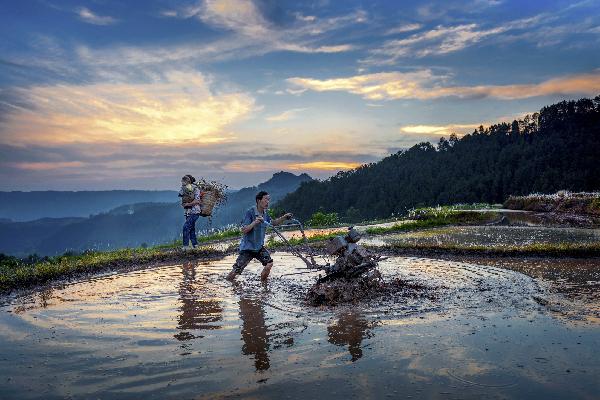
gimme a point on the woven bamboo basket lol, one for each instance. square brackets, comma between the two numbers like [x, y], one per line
[208, 202]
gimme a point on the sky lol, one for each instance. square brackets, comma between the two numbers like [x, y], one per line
[103, 95]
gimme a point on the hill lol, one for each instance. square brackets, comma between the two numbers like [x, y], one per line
[278, 186]
[29, 206]
[548, 151]
[130, 225]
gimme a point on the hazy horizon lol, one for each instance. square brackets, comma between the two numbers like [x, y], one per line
[175, 187]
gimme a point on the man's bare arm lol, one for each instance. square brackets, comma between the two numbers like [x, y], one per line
[286, 216]
[249, 227]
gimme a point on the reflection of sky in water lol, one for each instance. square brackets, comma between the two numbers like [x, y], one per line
[183, 331]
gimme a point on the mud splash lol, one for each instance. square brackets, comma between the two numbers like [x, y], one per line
[368, 287]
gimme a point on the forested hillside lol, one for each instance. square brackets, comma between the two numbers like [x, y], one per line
[557, 148]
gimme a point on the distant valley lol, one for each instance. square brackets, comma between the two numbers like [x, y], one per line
[126, 224]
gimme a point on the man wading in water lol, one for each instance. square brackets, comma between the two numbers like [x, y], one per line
[254, 227]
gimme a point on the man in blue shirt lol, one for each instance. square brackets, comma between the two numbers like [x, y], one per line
[252, 244]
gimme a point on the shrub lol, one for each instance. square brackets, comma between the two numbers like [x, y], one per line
[323, 219]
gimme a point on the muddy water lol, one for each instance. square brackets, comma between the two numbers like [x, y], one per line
[183, 332]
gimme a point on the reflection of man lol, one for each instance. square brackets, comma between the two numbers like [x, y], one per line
[350, 330]
[196, 312]
[254, 227]
[254, 332]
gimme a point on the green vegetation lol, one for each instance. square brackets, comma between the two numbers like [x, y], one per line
[321, 219]
[229, 233]
[554, 149]
[429, 217]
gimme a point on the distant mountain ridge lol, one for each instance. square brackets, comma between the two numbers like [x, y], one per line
[278, 186]
[29, 206]
[130, 225]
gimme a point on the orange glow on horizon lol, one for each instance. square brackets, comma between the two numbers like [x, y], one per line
[324, 165]
[41, 166]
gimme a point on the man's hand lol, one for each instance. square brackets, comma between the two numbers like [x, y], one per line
[287, 216]
[259, 220]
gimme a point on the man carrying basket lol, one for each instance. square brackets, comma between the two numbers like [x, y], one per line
[254, 227]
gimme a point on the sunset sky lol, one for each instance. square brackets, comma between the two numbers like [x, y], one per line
[135, 94]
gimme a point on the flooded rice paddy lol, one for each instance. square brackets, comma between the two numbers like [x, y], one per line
[477, 329]
[496, 236]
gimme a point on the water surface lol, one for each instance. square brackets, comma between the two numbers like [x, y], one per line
[182, 332]
[497, 236]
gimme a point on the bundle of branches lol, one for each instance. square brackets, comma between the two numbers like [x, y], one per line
[215, 194]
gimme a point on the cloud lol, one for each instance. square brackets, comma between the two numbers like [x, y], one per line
[286, 115]
[243, 32]
[305, 18]
[295, 92]
[323, 166]
[44, 166]
[458, 129]
[179, 109]
[237, 15]
[248, 34]
[441, 40]
[403, 28]
[151, 166]
[448, 39]
[86, 15]
[378, 86]
[424, 85]
[244, 18]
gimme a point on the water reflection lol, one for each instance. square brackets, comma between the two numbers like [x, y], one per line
[254, 332]
[483, 334]
[197, 310]
[350, 329]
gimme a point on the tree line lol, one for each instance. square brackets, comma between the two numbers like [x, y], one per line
[557, 148]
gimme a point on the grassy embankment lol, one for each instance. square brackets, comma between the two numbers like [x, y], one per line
[433, 217]
[424, 218]
[561, 202]
[17, 273]
[430, 217]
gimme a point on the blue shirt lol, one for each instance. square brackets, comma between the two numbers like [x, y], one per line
[255, 239]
